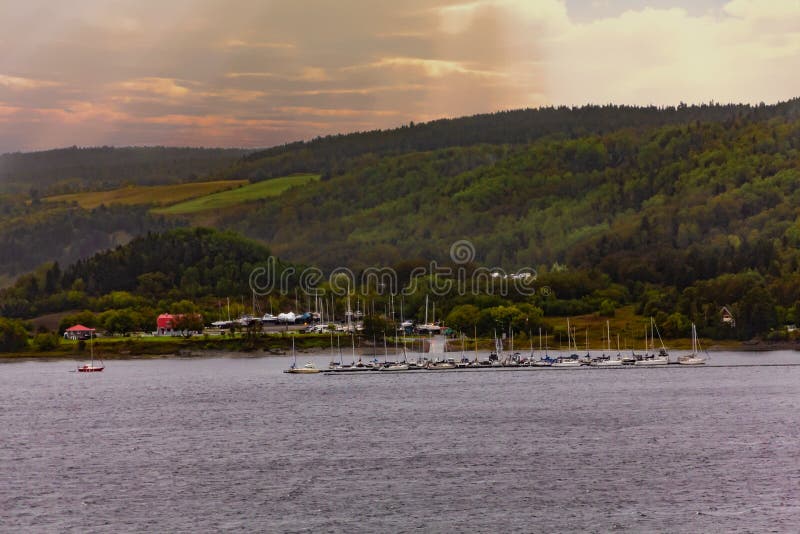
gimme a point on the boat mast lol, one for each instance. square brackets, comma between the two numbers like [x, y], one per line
[652, 342]
[530, 339]
[540, 339]
[475, 333]
[569, 343]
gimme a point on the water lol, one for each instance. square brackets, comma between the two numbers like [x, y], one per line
[232, 444]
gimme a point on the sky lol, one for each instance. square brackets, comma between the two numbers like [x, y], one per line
[256, 73]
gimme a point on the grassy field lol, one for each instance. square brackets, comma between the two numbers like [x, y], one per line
[232, 197]
[156, 194]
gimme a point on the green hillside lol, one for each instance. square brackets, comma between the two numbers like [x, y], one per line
[240, 195]
[70, 170]
[154, 194]
[675, 212]
[666, 205]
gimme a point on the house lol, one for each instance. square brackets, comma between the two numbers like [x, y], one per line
[727, 317]
[79, 332]
[167, 324]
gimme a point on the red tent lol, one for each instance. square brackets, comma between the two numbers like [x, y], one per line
[78, 332]
[80, 328]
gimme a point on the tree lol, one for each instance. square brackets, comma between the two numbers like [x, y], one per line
[463, 318]
[13, 336]
[45, 341]
[189, 322]
[119, 321]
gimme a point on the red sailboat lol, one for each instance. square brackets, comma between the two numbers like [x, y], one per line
[91, 367]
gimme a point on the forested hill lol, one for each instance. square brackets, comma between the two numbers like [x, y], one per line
[77, 169]
[330, 154]
[667, 205]
[169, 266]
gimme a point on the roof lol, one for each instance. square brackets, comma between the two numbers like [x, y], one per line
[79, 328]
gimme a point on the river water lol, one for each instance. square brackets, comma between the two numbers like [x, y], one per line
[233, 444]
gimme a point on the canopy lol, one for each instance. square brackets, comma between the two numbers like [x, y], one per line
[79, 328]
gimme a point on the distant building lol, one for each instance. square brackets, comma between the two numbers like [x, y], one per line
[78, 332]
[167, 324]
[727, 317]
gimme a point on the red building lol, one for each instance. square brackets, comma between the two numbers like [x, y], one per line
[167, 324]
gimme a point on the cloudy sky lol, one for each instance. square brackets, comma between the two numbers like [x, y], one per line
[262, 72]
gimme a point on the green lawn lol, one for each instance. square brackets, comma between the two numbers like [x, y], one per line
[240, 195]
[156, 194]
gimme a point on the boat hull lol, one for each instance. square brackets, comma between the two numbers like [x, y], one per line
[607, 363]
[90, 369]
[395, 368]
[657, 361]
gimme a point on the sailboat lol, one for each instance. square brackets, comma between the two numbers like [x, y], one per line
[91, 368]
[573, 359]
[693, 358]
[652, 359]
[608, 361]
[391, 366]
[543, 361]
[308, 368]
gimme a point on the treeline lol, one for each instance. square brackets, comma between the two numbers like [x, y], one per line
[331, 155]
[152, 271]
[207, 272]
[34, 233]
[74, 169]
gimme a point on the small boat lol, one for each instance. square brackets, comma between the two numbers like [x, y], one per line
[395, 367]
[566, 362]
[651, 358]
[307, 369]
[608, 361]
[573, 360]
[91, 367]
[693, 358]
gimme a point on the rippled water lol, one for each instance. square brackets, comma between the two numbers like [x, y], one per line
[233, 444]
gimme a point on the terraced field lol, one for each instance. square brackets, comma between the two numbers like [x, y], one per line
[162, 195]
[240, 195]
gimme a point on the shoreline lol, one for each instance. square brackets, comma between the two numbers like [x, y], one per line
[138, 349]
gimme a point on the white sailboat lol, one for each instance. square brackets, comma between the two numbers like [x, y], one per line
[652, 359]
[571, 361]
[609, 361]
[307, 369]
[693, 358]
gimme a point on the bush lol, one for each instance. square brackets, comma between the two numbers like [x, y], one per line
[45, 341]
[13, 336]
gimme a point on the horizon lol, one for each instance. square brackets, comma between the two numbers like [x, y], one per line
[388, 128]
[254, 75]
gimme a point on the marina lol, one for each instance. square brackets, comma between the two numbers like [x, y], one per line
[437, 359]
